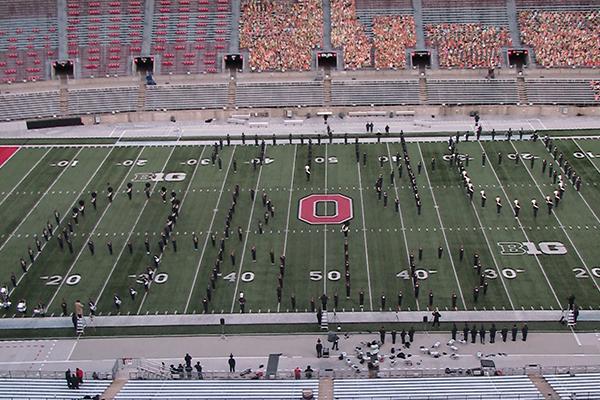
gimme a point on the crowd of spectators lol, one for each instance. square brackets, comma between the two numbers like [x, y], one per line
[596, 88]
[392, 35]
[349, 33]
[468, 45]
[562, 39]
[281, 34]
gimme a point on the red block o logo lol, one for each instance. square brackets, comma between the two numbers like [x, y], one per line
[308, 209]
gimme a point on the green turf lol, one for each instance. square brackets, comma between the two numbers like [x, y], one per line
[380, 239]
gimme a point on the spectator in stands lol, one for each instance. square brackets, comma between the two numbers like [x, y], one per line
[308, 372]
[392, 35]
[68, 378]
[468, 45]
[562, 38]
[596, 88]
[198, 368]
[281, 34]
[297, 373]
[79, 375]
[347, 32]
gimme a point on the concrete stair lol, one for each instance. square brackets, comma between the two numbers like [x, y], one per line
[325, 322]
[543, 386]
[522, 90]
[326, 389]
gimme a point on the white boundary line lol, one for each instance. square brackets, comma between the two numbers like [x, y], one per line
[560, 224]
[132, 229]
[208, 233]
[37, 203]
[501, 186]
[238, 277]
[437, 210]
[65, 215]
[401, 219]
[83, 247]
[25, 176]
[325, 231]
[287, 223]
[364, 229]
[187, 190]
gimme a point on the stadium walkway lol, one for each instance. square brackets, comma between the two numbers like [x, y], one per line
[293, 318]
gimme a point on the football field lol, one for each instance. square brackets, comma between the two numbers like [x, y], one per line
[526, 262]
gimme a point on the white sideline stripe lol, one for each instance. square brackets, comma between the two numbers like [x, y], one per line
[187, 190]
[25, 176]
[560, 223]
[362, 208]
[238, 277]
[401, 218]
[92, 231]
[325, 231]
[437, 210]
[287, 222]
[64, 215]
[487, 241]
[208, 233]
[133, 228]
[586, 156]
[523, 229]
[37, 203]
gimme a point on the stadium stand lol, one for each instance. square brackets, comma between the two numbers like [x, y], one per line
[218, 389]
[103, 35]
[559, 91]
[28, 39]
[186, 97]
[502, 387]
[562, 33]
[467, 33]
[279, 94]
[102, 100]
[392, 35]
[375, 92]
[350, 35]
[29, 105]
[189, 35]
[475, 91]
[281, 34]
[28, 389]
[580, 386]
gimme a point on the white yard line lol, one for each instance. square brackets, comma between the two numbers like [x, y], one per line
[362, 208]
[238, 276]
[401, 218]
[561, 224]
[325, 232]
[187, 190]
[208, 233]
[65, 214]
[133, 228]
[586, 155]
[522, 229]
[24, 176]
[487, 241]
[37, 203]
[287, 223]
[83, 247]
[437, 210]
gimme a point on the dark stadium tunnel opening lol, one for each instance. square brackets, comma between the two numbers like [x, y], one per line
[327, 60]
[234, 62]
[144, 65]
[518, 57]
[421, 59]
[63, 68]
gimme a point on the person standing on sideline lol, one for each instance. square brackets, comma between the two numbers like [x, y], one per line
[524, 331]
[231, 363]
[513, 332]
[454, 330]
[382, 335]
[319, 348]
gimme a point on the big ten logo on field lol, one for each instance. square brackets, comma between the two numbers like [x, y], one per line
[530, 248]
[384, 159]
[159, 177]
[462, 157]
[524, 156]
[320, 209]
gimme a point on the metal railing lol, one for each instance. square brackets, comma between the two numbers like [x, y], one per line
[16, 374]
